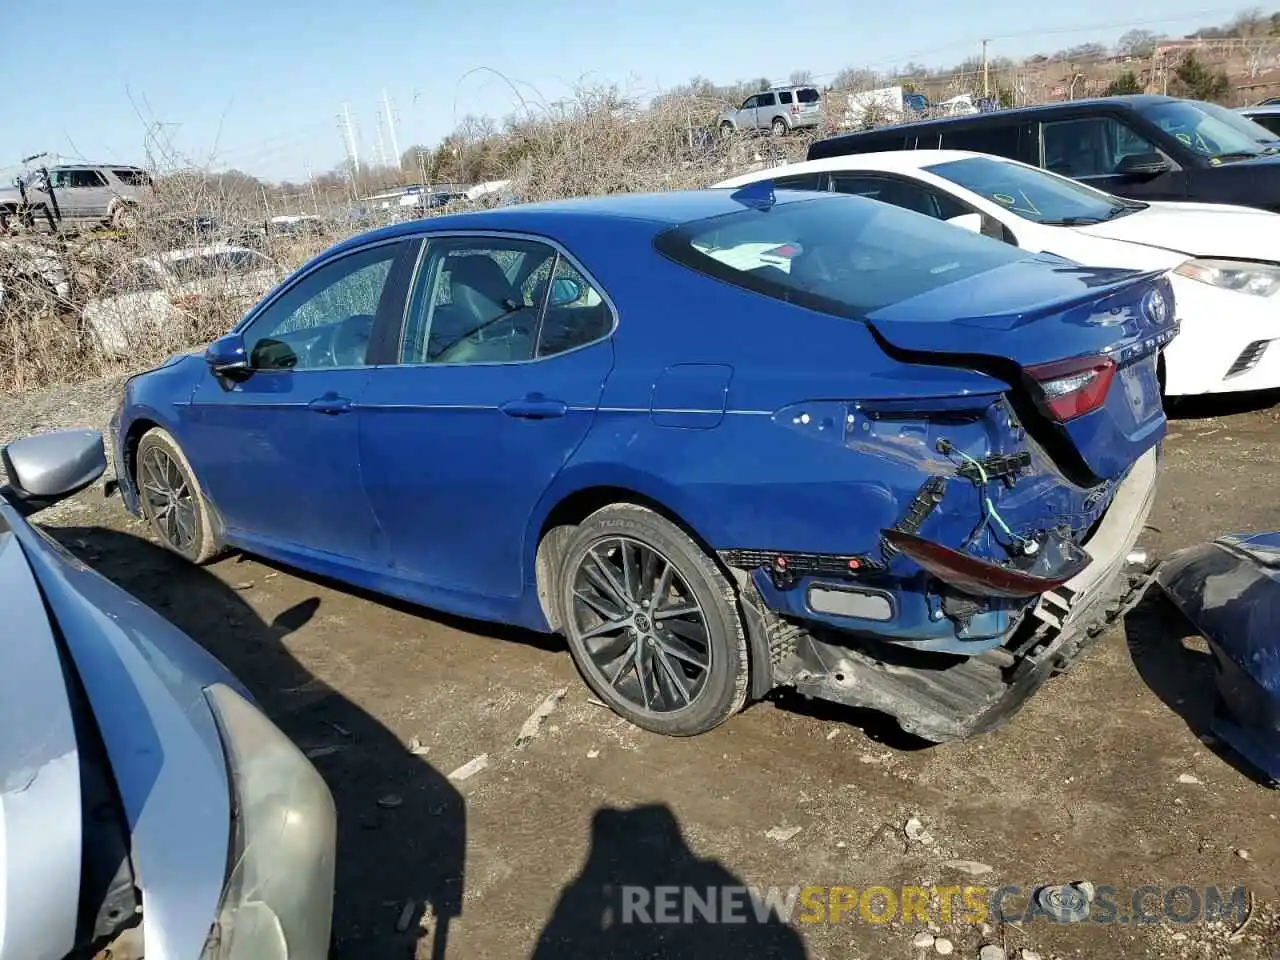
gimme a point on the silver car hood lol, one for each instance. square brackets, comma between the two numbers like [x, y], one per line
[144, 680]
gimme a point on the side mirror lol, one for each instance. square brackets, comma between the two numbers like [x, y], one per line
[1144, 165]
[967, 221]
[50, 467]
[227, 356]
[564, 291]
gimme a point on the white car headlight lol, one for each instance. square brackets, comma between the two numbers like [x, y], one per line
[277, 903]
[1244, 276]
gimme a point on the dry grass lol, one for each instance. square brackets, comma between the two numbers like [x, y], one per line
[597, 143]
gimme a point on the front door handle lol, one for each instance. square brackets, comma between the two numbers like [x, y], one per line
[330, 404]
[535, 407]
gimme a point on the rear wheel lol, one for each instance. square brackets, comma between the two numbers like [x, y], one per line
[652, 623]
[171, 499]
[779, 127]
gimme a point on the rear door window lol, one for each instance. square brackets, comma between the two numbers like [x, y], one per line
[1002, 140]
[900, 193]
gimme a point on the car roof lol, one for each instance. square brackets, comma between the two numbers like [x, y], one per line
[96, 166]
[1130, 101]
[1265, 110]
[186, 253]
[888, 161]
[642, 213]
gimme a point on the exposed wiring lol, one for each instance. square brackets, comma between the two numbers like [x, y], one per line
[1028, 546]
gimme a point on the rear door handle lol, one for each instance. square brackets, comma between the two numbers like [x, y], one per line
[330, 404]
[535, 408]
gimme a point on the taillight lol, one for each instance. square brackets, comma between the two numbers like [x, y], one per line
[1072, 388]
[795, 108]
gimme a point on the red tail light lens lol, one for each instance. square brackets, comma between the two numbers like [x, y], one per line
[1072, 388]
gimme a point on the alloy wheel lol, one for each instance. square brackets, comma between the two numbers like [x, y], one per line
[640, 625]
[169, 498]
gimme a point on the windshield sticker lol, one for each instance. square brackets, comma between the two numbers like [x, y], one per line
[1020, 204]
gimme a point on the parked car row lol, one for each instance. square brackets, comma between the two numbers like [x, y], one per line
[882, 427]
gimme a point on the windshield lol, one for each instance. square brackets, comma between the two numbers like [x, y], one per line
[1210, 130]
[1033, 194]
[844, 255]
[222, 264]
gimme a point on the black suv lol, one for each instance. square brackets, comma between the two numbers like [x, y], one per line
[1147, 147]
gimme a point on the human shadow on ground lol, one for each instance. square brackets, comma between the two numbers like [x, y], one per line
[389, 853]
[638, 871]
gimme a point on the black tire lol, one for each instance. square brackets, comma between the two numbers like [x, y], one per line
[779, 127]
[160, 462]
[674, 671]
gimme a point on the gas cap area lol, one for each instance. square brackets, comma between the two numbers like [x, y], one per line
[691, 396]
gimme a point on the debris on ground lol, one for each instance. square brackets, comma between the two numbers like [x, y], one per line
[943, 946]
[592, 754]
[992, 951]
[1242, 853]
[418, 748]
[391, 801]
[1029, 954]
[1188, 778]
[406, 915]
[782, 834]
[923, 940]
[470, 768]
[533, 726]
[246, 585]
[833, 734]
[914, 829]
[1067, 902]
[973, 868]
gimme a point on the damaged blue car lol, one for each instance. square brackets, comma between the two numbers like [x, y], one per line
[723, 442]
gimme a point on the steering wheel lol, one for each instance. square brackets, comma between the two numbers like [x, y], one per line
[349, 343]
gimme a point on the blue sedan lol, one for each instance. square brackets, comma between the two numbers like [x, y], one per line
[722, 441]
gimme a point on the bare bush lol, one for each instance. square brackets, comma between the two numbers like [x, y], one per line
[599, 141]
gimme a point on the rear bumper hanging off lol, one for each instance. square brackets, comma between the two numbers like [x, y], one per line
[942, 697]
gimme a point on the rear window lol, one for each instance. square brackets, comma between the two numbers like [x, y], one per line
[134, 178]
[808, 95]
[842, 255]
[222, 264]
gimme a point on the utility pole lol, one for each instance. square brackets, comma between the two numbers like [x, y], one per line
[391, 125]
[353, 151]
[986, 84]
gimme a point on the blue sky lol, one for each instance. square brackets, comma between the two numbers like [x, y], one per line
[258, 84]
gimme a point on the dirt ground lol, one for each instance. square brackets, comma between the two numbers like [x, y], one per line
[1105, 776]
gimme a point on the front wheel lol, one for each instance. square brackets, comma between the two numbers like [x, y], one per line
[124, 217]
[726, 130]
[652, 623]
[171, 499]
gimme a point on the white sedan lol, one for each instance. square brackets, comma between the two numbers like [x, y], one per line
[143, 307]
[1224, 261]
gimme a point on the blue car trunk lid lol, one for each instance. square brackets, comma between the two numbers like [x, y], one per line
[1079, 346]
